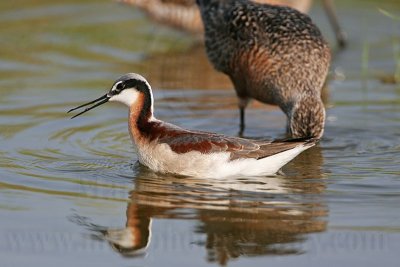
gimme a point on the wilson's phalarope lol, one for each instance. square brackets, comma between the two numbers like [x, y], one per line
[166, 148]
[273, 54]
[184, 15]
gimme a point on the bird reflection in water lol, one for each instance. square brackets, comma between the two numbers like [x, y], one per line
[241, 217]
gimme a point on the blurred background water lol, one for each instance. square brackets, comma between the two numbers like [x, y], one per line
[71, 191]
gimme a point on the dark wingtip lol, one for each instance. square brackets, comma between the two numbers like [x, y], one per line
[311, 141]
[305, 140]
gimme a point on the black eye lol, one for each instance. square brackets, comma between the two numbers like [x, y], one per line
[120, 86]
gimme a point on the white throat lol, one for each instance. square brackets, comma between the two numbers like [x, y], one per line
[127, 97]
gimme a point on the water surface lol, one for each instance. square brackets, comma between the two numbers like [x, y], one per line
[72, 192]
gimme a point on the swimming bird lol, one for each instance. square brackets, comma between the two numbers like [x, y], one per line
[273, 54]
[166, 148]
[184, 15]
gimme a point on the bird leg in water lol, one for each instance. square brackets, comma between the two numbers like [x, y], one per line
[242, 125]
[243, 102]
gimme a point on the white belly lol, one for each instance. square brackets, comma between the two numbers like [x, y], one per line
[160, 158]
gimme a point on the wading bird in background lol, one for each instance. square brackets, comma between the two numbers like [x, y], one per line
[273, 54]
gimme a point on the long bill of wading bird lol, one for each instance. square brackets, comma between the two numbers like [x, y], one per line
[166, 148]
[184, 15]
[273, 54]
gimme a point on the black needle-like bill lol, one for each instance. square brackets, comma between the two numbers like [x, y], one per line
[103, 99]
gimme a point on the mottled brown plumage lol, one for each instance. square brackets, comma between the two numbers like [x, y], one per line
[184, 15]
[273, 54]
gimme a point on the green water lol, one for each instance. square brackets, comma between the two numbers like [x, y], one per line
[70, 188]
